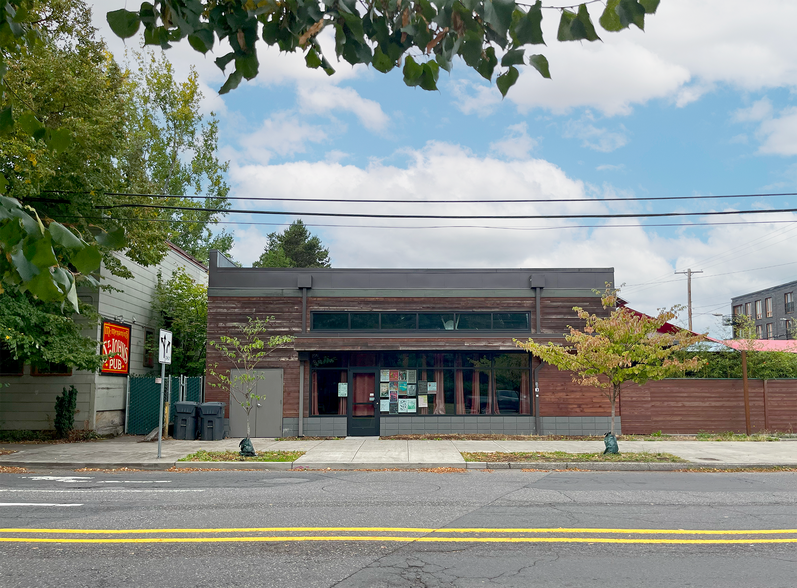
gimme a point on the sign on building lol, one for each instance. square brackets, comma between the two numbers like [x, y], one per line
[116, 340]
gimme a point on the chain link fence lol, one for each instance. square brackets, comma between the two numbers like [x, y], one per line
[143, 400]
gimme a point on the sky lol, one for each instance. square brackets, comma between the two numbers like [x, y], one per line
[699, 104]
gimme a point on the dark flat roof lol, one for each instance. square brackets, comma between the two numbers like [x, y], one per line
[227, 276]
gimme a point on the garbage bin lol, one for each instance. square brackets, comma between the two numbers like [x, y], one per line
[185, 416]
[212, 421]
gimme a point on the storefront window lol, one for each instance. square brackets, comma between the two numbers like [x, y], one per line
[324, 393]
[512, 392]
[436, 321]
[365, 321]
[474, 321]
[330, 321]
[398, 320]
[511, 320]
[327, 360]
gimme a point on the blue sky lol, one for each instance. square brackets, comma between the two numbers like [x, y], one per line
[702, 103]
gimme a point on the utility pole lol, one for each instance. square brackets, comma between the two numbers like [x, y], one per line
[688, 274]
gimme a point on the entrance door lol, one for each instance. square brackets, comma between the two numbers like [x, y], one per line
[265, 418]
[363, 416]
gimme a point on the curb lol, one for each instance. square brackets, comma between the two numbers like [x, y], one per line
[471, 465]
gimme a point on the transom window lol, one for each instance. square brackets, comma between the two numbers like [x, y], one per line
[420, 321]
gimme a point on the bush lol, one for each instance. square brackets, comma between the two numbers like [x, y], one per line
[65, 406]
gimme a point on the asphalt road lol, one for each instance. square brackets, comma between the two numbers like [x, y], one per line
[372, 529]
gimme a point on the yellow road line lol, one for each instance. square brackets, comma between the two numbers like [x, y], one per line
[410, 530]
[355, 538]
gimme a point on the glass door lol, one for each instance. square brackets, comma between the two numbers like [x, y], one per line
[363, 414]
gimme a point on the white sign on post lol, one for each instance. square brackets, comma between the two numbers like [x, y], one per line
[165, 347]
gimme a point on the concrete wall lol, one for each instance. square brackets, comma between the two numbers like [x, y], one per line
[580, 425]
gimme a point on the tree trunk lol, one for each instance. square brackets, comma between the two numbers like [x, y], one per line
[615, 396]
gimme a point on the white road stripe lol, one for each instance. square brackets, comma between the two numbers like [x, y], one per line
[36, 504]
[105, 490]
[133, 481]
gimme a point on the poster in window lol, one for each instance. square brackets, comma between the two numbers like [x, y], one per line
[431, 388]
[411, 405]
[422, 389]
[393, 407]
[403, 404]
[384, 406]
[411, 390]
[393, 386]
[383, 390]
[394, 396]
[116, 339]
[411, 376]
[343, 390]
[384, 375]
[394, 375]
[402, 388]
[403, 375]
[422, 403]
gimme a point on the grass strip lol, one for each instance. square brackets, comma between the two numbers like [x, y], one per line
[203, 455]
[562, 456]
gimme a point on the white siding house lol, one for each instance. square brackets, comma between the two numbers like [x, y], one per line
[28, 402]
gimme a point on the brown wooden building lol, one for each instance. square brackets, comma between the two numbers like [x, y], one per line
[395, 351]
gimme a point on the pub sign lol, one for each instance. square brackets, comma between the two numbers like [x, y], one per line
[116, 339]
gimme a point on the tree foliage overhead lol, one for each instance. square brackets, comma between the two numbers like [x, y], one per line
[623, 347]
[294, 247]
[425, 35]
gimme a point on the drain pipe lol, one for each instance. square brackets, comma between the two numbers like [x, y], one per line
[537, 417]
[301, 399]
[304, 283]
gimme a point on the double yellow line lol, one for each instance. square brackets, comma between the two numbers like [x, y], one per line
[403, 534]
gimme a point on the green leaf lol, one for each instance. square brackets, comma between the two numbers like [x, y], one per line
[87, 260]
[382, 62]
[64, 237]
[123, 23]
[527, 29]
[540, 63]
[201, 40]
[487, 64]
[25, 268]
[248, 65]
[498, 14]
[221, 62]
[609, 19]
[6, 120]
[631, 12]
[650, 6]
[506, 80]
[114, 239]
[513, 57]
[312, 59]
[60, 140]
[43, 287]
[430, 73]
[412, 71]
[471, 50]
[232, 82]
[29, 124]
[589, 28]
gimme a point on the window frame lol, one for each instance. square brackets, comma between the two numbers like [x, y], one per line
[759, 310]
[457, 316]
[770, 333]
[768, 307]
[788, 302]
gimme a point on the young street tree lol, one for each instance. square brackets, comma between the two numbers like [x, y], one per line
[294, 247]
[623, 347]
[245, 354]
[424, 35]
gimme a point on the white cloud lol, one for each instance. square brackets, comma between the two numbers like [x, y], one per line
[592, 137]
[326, 98]
[283, 135]
[516, 143]
[472, 98]
[757, 111]
[779, 135]
[610, 167]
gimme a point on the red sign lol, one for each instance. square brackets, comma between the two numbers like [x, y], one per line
[116, 339]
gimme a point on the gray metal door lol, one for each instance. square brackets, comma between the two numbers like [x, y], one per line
[265, 418]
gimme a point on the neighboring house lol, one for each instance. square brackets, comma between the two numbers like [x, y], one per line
[772, 311]
[395, 351]
[127, 324]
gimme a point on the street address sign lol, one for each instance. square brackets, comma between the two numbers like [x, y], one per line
[165, 347]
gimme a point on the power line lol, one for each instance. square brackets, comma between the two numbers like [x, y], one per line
[442, 217]
[479, 201]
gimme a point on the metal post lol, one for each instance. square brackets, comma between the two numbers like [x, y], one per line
[160, 412]
[127, 404]
[537, 310]
[301, 399]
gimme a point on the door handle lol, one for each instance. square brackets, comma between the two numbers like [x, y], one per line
[258, 404]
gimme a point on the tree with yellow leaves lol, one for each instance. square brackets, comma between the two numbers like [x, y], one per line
[625, 346]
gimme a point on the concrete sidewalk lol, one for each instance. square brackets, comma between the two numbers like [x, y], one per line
[375, 453]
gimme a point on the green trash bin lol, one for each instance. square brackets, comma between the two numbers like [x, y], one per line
[185, 417]
[211, 416]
